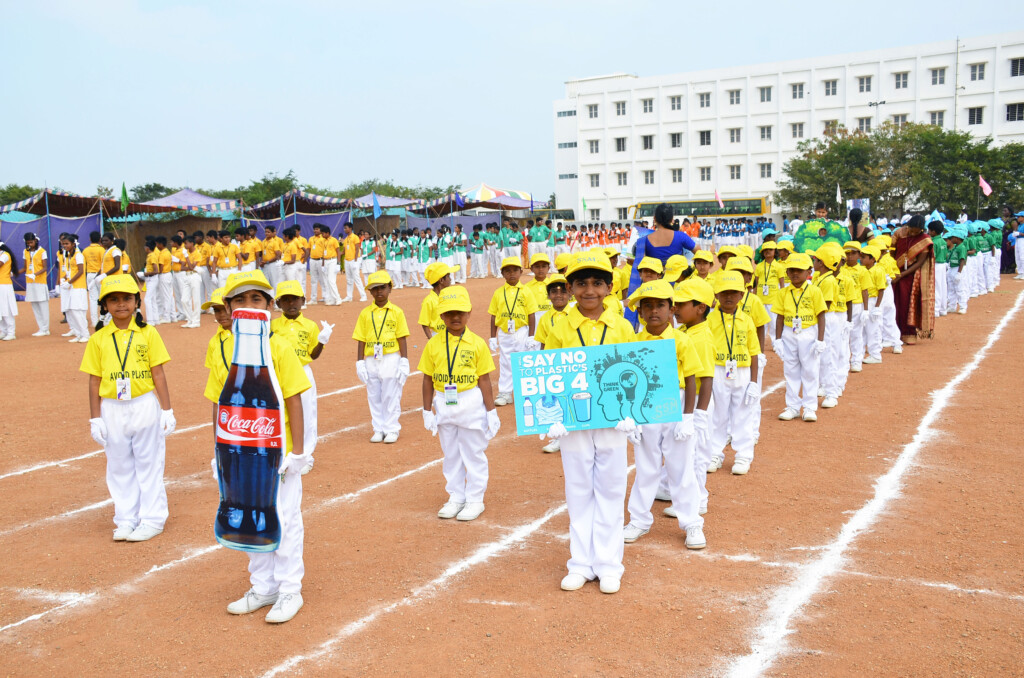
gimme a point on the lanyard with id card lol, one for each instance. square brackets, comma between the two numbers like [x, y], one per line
[764, 286]
[378, 347]
[798, 322]
[730, 363]
[511, 321]
[123, 385]
[451, 392]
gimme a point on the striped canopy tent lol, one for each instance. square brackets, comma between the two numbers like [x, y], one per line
[49, 202]
[187, 200]
[481, 196]
[486, 193]
[297, 201]
[366, 202]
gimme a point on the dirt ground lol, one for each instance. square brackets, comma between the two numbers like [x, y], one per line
[932, 584]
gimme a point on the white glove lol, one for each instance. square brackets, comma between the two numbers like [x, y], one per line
[213, 465]
[819, 347]
[762, 360]
[493, 424]
[31, 277]
[684, 429]
[533, 345]
[99, 279]
[403, 370]
[876, 314]
[847, 329]
[780, 349]
[632, 431]
[98, 431]
[493, 343]
[556, 432]
[700, 426]
[326, 329]
[753, 393]
[167, 422]
[175, 260]
[430, 422]
[293, 464]
[65, 285]
[141, 274]
[361, 372]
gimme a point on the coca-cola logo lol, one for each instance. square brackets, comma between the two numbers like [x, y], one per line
[260, 426]
[237, 424]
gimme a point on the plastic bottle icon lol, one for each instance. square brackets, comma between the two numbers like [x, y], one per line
[528, 412]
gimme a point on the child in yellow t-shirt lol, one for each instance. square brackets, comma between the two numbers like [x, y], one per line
[540, 265]
[382, 357]
[826, 259]
[439, 276]
[751, 305]
[858, 302]
[557, 292]
[130, 409]
[800, 338]
[877, 285]
[512, 310]
[458, 404]
[672, 442]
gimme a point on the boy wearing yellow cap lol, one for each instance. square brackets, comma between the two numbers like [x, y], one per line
[858, 302]
[825, 261]
[869, 256]
[512, 310]
[649, 269]
[382, 357]
[275, 576]
[702, 262]
[752, 306]
[800, 338]
[768, 276]
[557, 291]
[594, 461]
[673, 442]
[891, 337]
[540, 265]
[458, 405]
[439, 276]
[130, 409]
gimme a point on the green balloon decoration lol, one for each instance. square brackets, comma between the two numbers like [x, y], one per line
[808, 237]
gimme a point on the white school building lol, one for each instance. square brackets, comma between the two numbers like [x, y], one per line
[623, 140]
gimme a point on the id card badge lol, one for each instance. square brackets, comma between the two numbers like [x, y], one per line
[511, 326]
[764, 290]
[123, 388]
[378, 351]
[730, 369]
[451, 394]
[798, 324]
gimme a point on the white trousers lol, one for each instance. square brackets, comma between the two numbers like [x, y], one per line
[251, 266]
[39, 296]
[331, 277]
[844, 353]
[494, 260]
[956, 289]
[832, 363]
[165, 295]
[857, 335]
[309, 427]
[152, 298]
[206, 286]
[731, 415]
[873, 333]
[479, 266]
[1018, 253]
[594, 466]
[991, 262]
[316, 280]
[890, 330]
[460, 261]
[297, 272]
[353, 278]
[190, 296]
[384, 393]
[274, 272]
[178, 284]
[282, 570]
[507, 345]
[461, 431]
[77, 322]
[941, 300]
[94, 298]
[223, 274]
[800, 365]
[135, 460]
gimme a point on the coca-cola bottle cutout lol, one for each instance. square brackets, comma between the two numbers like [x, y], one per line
[250, 440]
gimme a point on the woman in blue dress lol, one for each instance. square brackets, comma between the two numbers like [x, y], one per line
[664, 241]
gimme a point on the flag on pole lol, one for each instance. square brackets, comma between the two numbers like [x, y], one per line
[839, 196]
[460, 202]
[376, 205]
[985, 188]
[718, 199]
[584, 208]
[125, 201]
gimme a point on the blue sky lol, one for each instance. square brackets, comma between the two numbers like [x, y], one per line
[214, 94]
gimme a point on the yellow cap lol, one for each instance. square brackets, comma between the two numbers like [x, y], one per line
[785, 245]
[828, 256]
[730, 281]
[871, 251]
[745, 251]
[378, 278]
[562, 260]
[851, 245]
[656, 289]
[584, 260]
[674, 267]
[245, 281]
[454, 298]
[118, 283]
[538, 258]
[769, 245]
[651, 264]
[740, 264]
[798, 260]
[216, 299]
[694, 289]
[612, 252]
[555, 278]
[727, 249]
[512, 261]
[703, 255]
[289, 288]
[438, 270]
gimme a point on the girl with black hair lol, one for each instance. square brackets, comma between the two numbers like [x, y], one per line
[74, 296]
[37, 292]
[8, 304]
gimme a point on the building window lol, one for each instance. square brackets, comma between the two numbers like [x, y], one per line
[766, 170]
[974, 115]
[592, 110]
[1014, 112]
[675, 102]
[900, 119]
[620, 144]
[623, 213]
[937, 117]
[595, 145]
[734, 97]
[705, 174]
[766, 132]
[566, 176]
[595, 214]
[621, 178]
[567, 114]
[735, 172]
[675, 139]
[735, 135]
[705, 137]
[864, 83]
[798, 130]
[648, 142]
[938, 76]
[831, 125]
[649, 177]
[798, 90]
[567, 144]
[864, 124]
[901, 80]
[977, 72]
[704, 99]
[766, 95]
[648, 105]
[830, 87]
[677, 176]
[595, 180]
[1016, 68]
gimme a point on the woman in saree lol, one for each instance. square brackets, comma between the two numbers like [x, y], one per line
[663, 242]
[914, 287]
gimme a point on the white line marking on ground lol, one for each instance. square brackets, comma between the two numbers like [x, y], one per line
[953, 588]
[770, 638]
[496, 603]
[70, 600]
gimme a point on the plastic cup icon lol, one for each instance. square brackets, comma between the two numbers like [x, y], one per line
[581, 406]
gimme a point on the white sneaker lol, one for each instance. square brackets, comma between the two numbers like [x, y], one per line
[702, 510]
[72, 340]
[69, 333]
[391, 437]
[856, 368]
[872, 361]
[829, 403]
[81, 340]
[450, 509]
[810, 415]
[347, 299]
[9, 337]
[552, 447]
[144, 533]
[502, 400]
[378, 437]
[573, 582]
[740, 468]
[609, 585]
[897, 349]
[40, 334]
[251, 602]
[695, 538]
[630, 533]
[471, 511]
[821, 393]
[716, 463]
[662, 495]
[122, 533]
[788, 414]
[962, 311]
[286, 607]
[670, 511]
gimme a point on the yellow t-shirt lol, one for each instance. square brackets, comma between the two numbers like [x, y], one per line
[512, 303]
[809, 300]
[163, 258]
[151, 261]
[316, 247]
[301, 333]
[5, 269]
[688, 362]
[176, 253]
[889, 265]
[767, 283]
[200, 255]
[108, 260]
[429, 317]
[293, 252]
[827, 284]
[467, 358]
[272, 248]
[547, 321]
[539, 290]
[93, 257]
[137, 349]
[351, 243]
[861, 282]
[735, 331]
[844, 284]
[227, 255]
[331, 247]
[704, 344]
[380, 325]
[752, 306]
[72, 264]
[614, 304]
[290, 375]
[35, 263]
[126, 263]
[876, 281]
[575, 330]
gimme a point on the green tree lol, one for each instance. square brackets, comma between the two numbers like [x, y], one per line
[151, 191]
[839, 157]
[14, 193]
[552, 200]
[104, 191]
